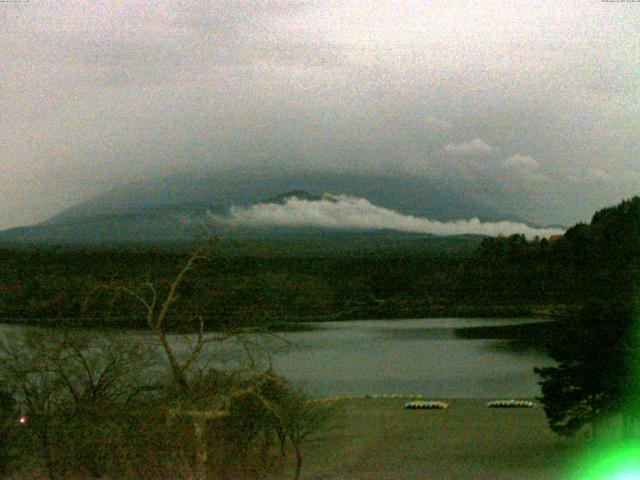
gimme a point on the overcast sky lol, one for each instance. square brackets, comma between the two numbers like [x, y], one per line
[530, 104]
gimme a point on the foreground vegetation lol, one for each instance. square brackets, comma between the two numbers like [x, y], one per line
[75, 403]
[95, 408]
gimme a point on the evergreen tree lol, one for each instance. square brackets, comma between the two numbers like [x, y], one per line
[593, 349]
[596, 346]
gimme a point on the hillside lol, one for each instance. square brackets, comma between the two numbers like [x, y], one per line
[194, 192]
[180, 208]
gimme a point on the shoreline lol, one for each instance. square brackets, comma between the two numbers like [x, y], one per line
[288, 322]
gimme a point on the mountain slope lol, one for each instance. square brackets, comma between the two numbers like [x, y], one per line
[175, 208]
[409, 195]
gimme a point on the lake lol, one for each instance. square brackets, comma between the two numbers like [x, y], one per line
[425, 356]
[439, 358]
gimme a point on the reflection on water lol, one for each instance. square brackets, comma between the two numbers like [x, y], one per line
[438, 358]
[424, 356]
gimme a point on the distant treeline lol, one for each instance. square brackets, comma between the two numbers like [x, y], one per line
[505, 276]
[599, 260]
[49, 283]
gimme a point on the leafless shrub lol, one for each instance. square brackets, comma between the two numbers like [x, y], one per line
[96, 406]
[72, 386]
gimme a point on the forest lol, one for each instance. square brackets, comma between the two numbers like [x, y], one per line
[501, 276]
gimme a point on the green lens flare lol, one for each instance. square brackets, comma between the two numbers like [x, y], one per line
[631, 475]
[616, 462]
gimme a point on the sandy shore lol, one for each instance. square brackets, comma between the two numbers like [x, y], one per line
[379, 439]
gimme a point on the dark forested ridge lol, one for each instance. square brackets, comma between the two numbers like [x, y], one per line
[596, 260]
[38, 283]
[504, 276]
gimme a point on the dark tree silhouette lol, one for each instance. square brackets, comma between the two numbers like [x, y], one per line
[596, 346]
[594, 351]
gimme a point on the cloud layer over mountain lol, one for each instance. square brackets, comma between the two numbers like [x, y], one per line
[347, 212]
[467, 95]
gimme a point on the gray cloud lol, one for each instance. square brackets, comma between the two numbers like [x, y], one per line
[524, 166]
[474, 147]
[213, 16]
[522, 161]
[101, 93]
[596, 175]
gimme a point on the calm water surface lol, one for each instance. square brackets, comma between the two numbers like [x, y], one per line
[425, 356]
[409, 356]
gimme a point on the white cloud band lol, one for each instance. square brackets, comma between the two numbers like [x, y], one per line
[347, 212]
[477, 146]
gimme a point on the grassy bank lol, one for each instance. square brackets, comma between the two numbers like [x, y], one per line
[379, 439]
